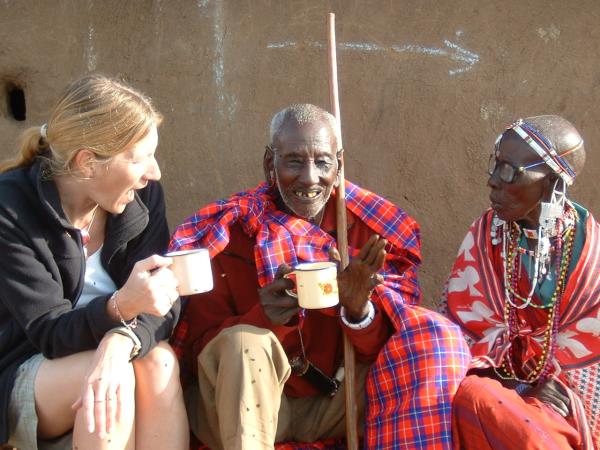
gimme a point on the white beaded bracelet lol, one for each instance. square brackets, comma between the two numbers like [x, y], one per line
[363, 323]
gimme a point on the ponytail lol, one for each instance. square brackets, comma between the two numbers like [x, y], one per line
[97, 113]
[31, 144]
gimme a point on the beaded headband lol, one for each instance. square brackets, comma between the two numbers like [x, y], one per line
[542, 146]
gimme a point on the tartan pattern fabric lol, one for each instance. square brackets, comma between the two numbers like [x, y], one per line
[282, 238]
[474, 298]
[411, 385]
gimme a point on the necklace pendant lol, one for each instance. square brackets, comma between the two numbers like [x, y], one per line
[85, 237]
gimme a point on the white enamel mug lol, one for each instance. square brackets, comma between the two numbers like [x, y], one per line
[193, 271]
[316, 284]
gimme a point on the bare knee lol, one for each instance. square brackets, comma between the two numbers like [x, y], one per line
[158, 369]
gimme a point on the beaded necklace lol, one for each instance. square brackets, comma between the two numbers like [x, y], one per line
[512, 270]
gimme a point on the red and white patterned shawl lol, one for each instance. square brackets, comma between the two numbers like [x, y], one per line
[474, 298]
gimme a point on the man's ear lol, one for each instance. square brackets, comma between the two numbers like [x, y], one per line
[268, 165]
[84, 163]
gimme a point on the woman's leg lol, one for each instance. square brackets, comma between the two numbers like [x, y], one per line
[160, 420]
[58, 385]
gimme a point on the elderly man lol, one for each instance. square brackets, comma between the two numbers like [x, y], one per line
[263, 370]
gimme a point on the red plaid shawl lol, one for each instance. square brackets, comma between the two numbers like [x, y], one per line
[414, 378]
[475, 300]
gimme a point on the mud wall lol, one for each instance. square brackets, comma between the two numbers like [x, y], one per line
[425, 87]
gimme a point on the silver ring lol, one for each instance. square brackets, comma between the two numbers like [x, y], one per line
[144, 275]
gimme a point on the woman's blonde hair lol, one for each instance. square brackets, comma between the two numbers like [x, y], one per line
[97, 113]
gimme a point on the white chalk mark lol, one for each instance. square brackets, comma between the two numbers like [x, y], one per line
[463, 55]
[227, 103]
[452, 50]
[282, 44]
[492, 111]
[89, 52]
[550, 33]
[411, 48]
[202, 3]
[363, 46]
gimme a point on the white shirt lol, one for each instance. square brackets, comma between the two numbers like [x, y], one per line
[97, 280]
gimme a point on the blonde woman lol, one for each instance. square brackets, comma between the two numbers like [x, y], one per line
[86, 302]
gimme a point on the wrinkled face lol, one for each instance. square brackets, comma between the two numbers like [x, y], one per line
[306, 168]
[114, 182]
[519, 200]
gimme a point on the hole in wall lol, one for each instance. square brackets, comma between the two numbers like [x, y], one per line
[17, 108]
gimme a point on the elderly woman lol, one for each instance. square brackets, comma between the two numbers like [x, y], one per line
[86, 302]
[525, 290]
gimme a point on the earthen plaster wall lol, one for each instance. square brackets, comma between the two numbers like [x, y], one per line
[425, 87]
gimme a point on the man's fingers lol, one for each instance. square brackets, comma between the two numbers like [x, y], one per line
[282, 270]
[379, 260]
[376, 254]
[282, 302]
[285, 315]
[334, 255]
[279, 285]
[367, 247]
[376, 280]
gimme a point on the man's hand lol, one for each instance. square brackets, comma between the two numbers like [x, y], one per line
[552, 393]
[358, 280]
[279, 307]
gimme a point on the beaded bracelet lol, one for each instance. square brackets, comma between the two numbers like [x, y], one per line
[129, 325]
[367, 320]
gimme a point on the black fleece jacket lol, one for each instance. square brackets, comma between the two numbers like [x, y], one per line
[42, 270]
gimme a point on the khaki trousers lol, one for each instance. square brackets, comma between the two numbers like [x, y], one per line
[239, 401]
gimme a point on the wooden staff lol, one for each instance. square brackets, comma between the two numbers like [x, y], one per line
[342, 243]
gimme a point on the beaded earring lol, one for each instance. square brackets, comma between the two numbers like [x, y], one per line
[551, 216]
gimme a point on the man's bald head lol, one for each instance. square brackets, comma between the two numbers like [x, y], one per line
[298, 115]
[563, 136]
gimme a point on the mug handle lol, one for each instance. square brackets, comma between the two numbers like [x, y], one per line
[290, 292]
